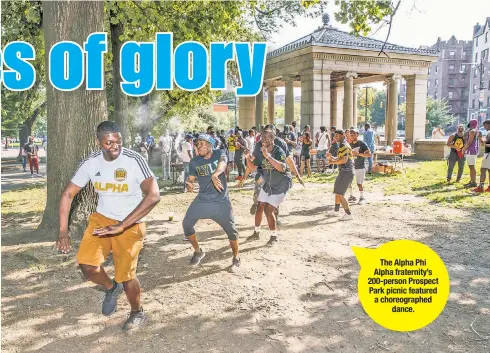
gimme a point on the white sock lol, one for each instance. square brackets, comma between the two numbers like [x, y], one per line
[274, 233]
[257, 229]
[362, 193]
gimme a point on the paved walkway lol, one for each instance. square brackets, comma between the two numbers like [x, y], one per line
[13, 177]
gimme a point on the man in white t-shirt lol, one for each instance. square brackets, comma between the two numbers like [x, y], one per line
[165, 143]
[120, 177]
[186, 156]
[323, 146]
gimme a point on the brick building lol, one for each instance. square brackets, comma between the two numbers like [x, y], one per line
[479, 98]
[449, 76]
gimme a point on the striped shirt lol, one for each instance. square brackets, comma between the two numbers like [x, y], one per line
[116, 182]
[346, 150]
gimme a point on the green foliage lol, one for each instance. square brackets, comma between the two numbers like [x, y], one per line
[22, 21]
[362, 14]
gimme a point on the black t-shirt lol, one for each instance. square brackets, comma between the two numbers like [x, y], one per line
[363, 148]
[31, 148]
[275, 182]
[487, 141]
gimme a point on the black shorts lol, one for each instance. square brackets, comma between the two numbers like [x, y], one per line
[343, 181]
[220, 212]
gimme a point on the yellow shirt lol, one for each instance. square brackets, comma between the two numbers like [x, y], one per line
[231, 143]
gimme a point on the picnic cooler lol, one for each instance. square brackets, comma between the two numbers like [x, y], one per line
[397, 146]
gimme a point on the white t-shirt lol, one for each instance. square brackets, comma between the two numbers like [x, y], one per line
[250, 142]
[117, 182]
[186, 146]
[166, 143]
[322, 141]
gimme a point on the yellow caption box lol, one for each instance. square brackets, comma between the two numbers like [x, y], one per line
[403, 285]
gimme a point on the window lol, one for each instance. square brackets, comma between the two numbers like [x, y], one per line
[451, 82]
[435, 95]
[475, 73]
[437, 69]
[476, 57]
[429, 70]
[463, 93]
[488, 102]
[486, 37]
[463, 68]
[473, 104]
[483, 54]
[451, 67]
[452, 53]
[428, 84]
[463, 81]
[488, 84]
[463, 54]
[476, 41]
[474, 88]
[437, 82]
[450, 95]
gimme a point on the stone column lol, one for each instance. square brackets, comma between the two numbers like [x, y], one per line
[387, 109]
[393, 107]
[337, 106]
[259, 109]
[246, 112]
[289, 101]
[354, 106]
[315, 99]
[416, 108]
[270, 105]
[347, 118]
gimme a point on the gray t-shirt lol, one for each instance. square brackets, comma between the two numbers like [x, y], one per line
[359, 162]
[275, 182]
[202, 169]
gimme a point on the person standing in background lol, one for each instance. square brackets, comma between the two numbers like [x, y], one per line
[186, 156]
[240, 148]
[32, 150]
[438, 133]
[369, 140]
[456, 142]
[323, 146]
[471, 151]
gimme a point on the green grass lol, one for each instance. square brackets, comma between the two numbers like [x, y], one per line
[29, 199]
[426, 179]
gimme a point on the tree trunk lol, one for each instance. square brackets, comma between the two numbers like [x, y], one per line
[120, 99]
[73, 116]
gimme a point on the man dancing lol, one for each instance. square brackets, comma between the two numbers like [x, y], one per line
[344, 160]
[119, 177]
[213, 201]
[275, 178]
[361, 151]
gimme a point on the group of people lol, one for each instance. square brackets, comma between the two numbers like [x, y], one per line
[465, 146]
[127, 191]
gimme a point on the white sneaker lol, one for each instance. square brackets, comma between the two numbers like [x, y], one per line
[347, 217]
[332, 213]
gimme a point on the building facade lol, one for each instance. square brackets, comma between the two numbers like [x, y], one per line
[479, 97]
[449, 76]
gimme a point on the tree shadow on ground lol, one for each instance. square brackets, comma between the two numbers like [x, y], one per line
[34, 299]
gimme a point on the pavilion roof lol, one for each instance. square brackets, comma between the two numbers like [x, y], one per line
[331, 37]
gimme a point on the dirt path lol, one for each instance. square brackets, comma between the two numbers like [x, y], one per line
[300, 296]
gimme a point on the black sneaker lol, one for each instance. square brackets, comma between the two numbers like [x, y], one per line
[109, 303]
[197, 257]
[255, 236]
[470, 185]
[272, 240]
[135, 319]
[352, 198]
[253, 209]
[235, 265]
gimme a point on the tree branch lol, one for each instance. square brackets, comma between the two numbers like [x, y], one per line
[389, 28]
[268, 13]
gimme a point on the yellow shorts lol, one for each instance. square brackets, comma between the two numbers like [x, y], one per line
[125, 247]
